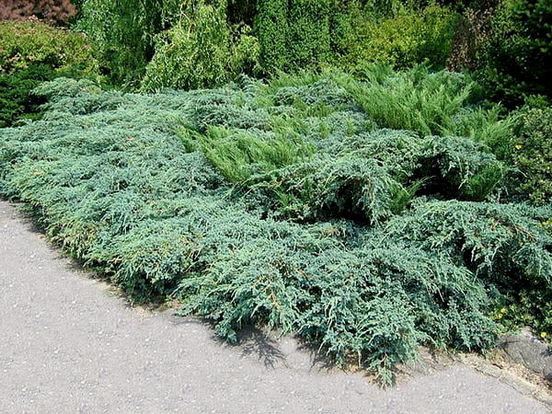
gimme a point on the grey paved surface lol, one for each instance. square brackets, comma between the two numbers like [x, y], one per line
[68, 346]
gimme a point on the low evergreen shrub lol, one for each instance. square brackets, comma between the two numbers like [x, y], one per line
[126, 183]
[17, 100]
[442, 103]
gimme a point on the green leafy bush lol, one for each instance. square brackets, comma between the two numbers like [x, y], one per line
[169, 43]
[305, 33]
[124, 33]
[23, 44]
[115, 185]
[408, 37]
[30, 53]
[531, 153]
[201, 43]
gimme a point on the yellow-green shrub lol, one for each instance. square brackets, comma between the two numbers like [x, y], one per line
[403, 40]
[27, 43]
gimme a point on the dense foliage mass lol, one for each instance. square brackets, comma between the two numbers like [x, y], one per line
[531, 152]
[200, 51]
[292, 204]
[26, 43]
[402, 39]
[124, 33]
[197, 43]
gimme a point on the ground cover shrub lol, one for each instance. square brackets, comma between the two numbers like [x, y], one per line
[125, 183]
[268, 132]
[443, 103]
[239, 156]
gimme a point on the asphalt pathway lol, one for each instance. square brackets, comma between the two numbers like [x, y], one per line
[69, 346]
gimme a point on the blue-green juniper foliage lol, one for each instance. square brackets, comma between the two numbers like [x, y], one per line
[287, 204]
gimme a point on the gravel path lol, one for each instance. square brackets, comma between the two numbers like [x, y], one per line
[68, 346]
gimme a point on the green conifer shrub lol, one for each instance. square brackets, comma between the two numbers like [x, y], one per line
[271, 26]
[113, 182]
[199, 51]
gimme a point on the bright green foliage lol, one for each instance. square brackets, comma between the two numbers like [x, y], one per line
[368, 275]
[428, 103]
[169, 43]
[28, 43]
[302, 34]
[357, 172]
[528, 306]
[199, 51]
[531, 153]
[239, 155]
[402, 40]
[202, 43]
